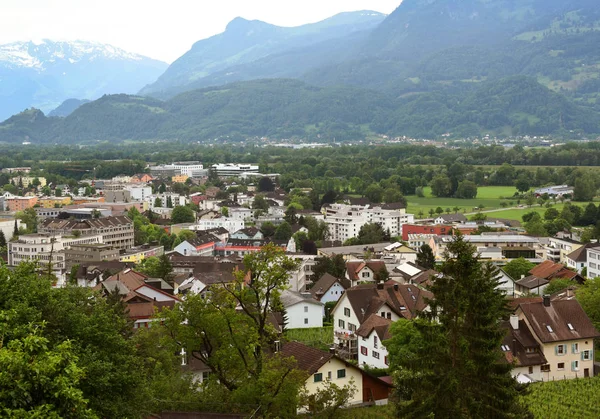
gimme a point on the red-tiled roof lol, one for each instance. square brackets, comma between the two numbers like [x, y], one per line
[307, 358]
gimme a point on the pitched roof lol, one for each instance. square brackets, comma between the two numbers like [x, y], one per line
[580, 255]
[551, 324]
[249, 231]
[405, 300]
[453, 218]
[323, 284]
[546, 269]
[290, 298]
[377, 323]
[307, 358]
[353, 268]
[532, 281]
[518, 340]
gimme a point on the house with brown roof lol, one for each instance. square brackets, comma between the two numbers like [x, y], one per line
[565, 335]
[391, 300]
[142, 295]
[523, 351]
[328, 289]
[541, 276]
[358, 271]
[578, 259]
[322, 366]
[371, 335]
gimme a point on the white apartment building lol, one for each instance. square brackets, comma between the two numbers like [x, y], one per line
[176, 199]
[593, 262]
[45, 247]
[228, 224]
[230, 170]
[345, 221]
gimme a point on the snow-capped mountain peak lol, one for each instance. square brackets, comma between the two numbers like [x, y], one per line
[42, 54]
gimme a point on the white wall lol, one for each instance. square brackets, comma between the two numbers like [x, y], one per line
[304, 314]
[373, 346]
[334, 293]
[8, 227]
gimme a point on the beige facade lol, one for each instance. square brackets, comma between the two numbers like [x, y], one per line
[340, 374]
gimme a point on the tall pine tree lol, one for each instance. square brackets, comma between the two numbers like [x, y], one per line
[425, 257]
[448, 363]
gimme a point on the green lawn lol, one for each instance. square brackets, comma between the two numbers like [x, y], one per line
[488, 196]
[374, 412]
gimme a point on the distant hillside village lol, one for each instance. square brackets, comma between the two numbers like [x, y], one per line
[361, 266]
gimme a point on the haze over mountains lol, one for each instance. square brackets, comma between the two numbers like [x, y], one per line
[464, 67]
[45, 74]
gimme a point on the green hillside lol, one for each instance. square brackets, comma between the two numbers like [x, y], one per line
[283, 108]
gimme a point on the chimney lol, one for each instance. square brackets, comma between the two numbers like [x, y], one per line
[514, 321]
[522, 276]
[332, 350]
[546, 300]
[396, 287]
[380, 285]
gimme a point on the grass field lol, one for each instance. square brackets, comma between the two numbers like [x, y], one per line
[375, 412]
[488, 196]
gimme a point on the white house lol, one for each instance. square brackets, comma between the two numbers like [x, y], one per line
[328, 289]
[371, 334]
[302, 310]
[507, 284]
[228, 224]
[198, 246]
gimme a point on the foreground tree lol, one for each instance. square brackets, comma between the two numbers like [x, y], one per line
[425, 257]
[448, 363]
[232, 334]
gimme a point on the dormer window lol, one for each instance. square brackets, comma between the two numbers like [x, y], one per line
[570, 326]
[505, 348]
[549, 328]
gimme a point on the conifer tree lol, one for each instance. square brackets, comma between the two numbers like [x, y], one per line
[2, 239]
[425, 257]
[449, 362]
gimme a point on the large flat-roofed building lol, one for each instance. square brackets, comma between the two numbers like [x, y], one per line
[79, 254]
[115, 231]
[231, 170]
[188, 168]
[20, 203]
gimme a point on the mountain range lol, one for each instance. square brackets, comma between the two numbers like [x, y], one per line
[432, 67]
[44, 74]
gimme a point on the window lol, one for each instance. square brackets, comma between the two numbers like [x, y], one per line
[329, 375]
[205, 375]
[586, 355]
[530, 370]
[570, 326]
[593, 265]
[383, 314]
[560, 366]
[341, 373]
[575, 366]
[375, 355]
[505, 348]
[386, 361]
[549, 328]
[575, 348]
[306, 309]
[365, 274]
[529, 350]
[305, 321]
[347, 312]
[342, 324]
[375, 342]
[318, 377]
[351, 327]
[561, 349]
[389, 315]
[545, 368]
[364, 351]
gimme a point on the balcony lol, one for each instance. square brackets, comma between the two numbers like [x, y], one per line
[346, 352]
[343, 335]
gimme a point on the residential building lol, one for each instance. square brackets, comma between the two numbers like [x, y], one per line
[26, 181]
[450, 219]
[250, 233]
[78, 254]
[558, 249]
[231, 170]
[593, 262]
[328, 289]
[237, 247]
[565, 334]
[179, 178]
[523, 351]
[142, 295]
[371, 334]
[302, 310]
[228, 224]
[299, 279]
[21, 203]
[176, 200]
[391, 300]
[16, 170]
[355, 252]
[53, 202]
[203, 245]
[127, 193]
[139, 253]
[116, 231]
[361, 271]
[577, 260]
[324, 366]
[8, 227]
[46, 248]
[345, 221]
[557, 191]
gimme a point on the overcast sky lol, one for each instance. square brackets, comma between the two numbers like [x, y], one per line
[162, 29]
